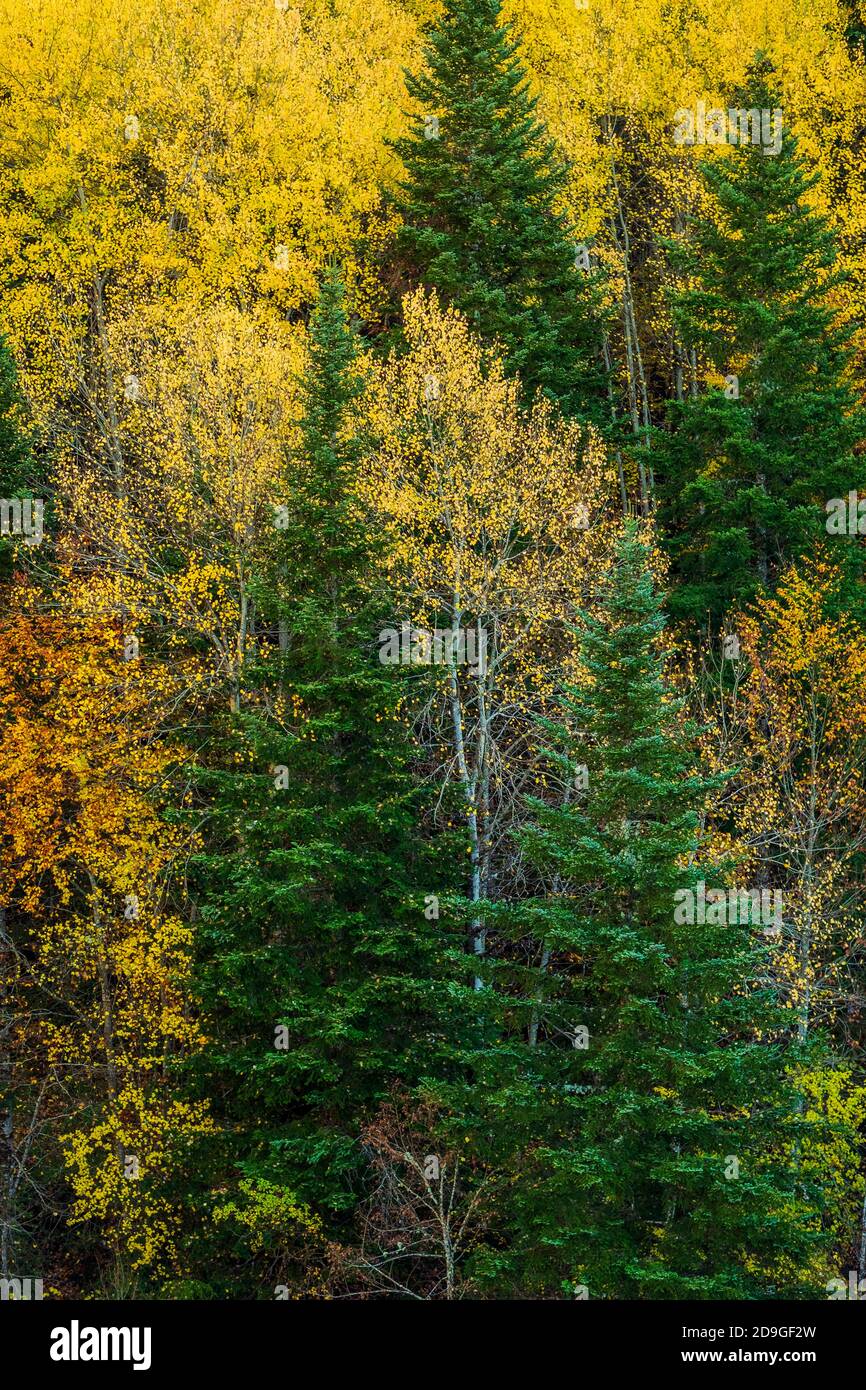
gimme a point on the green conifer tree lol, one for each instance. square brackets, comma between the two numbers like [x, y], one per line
[481, 210]
[649, 1116]
[16, 460]
[327, 972]
[745, 470]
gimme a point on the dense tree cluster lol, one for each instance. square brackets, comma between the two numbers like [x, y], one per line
[433, 760]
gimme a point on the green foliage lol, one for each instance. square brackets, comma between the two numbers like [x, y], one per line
[325, 979]
[623, 1136]
[743, 479]
[16, 463]
[480, 206]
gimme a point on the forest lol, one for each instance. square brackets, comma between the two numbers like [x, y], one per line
[432, 650]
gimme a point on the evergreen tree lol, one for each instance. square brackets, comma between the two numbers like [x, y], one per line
[324, 980]
[16, 463]
[652, 1131]
[745, 470]
[855, 27]
[480, 207]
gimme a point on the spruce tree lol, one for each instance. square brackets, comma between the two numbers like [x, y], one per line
[854, 27]
[327, 974]
[745, 469]
[16, 461]
[648, 1117]
[481, 210]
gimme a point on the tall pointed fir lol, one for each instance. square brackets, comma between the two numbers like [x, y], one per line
[746, 468]
[328, 974]
[16, 460]
[481, 209]
[651, 1134]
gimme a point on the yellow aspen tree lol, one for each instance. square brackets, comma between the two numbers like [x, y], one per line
[497, 521]
[203, 434]
[790, 717]
[96, 958]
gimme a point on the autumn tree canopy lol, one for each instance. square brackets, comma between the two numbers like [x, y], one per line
[432, 732]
